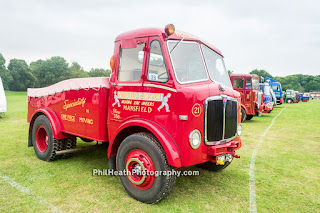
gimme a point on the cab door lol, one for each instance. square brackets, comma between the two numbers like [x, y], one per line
[249, 96]
[126, 80]
[158, 88]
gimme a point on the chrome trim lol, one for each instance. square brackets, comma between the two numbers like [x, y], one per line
[159, 86]
[224, 140]
[130, 84]
[190, 136]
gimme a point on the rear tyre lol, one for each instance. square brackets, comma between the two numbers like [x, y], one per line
[249, 117]
[69, 143]
[210, 166]
[244, 115]
[142, 152]
[44, 144]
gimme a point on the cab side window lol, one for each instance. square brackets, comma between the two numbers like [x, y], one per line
[248, 83]
[157, 70]
[130, 67]
[238, 83]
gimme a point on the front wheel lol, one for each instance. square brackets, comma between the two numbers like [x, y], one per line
[289, 101]
[244, 115]
[249, 117]
[141, 156]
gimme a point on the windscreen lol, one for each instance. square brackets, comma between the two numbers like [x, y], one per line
[255, 83]
[216, 68]
[187, 61]
[267, 90]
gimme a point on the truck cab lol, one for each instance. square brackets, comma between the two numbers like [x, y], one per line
[277, 89]
[304, 97]
[168, 104]
[268, 104]
[297, 96]
[251, 97]
[290, 96]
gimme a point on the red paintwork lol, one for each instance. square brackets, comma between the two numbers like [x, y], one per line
[143, 157]
[41, 139]
[248, 96]
[110, 121]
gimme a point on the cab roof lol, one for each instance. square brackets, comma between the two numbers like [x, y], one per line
[177, 35]
[244, 75]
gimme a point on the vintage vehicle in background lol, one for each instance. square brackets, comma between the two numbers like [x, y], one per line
[277, 89]
[290, 96]
[274, 99]
[304, 97]
[3, 100]
[169, 104]
[297, 96]
[267, 98]
[251, 97]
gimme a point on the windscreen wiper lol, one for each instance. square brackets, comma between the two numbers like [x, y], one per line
[176, 45]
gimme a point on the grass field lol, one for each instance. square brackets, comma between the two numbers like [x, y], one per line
[287, 171]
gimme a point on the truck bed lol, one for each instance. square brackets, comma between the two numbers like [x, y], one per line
[80, 106]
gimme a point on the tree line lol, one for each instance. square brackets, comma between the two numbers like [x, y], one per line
[298, 82]
[19, 76]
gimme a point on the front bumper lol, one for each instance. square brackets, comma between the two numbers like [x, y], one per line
[227, 148]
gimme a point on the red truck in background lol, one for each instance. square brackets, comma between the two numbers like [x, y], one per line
[251, 96]
[168, 104]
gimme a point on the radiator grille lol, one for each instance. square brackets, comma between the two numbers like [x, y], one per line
[221, 119]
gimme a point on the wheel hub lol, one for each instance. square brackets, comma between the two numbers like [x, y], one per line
[140, 169]
[42, 139]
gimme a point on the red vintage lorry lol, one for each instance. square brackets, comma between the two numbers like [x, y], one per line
[251, 96]
[168, 104]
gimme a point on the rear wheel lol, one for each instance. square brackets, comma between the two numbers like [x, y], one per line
[244, 115]
[141, 156]
[45, 145]
[69, 143]
[305, 100]
[249, 117]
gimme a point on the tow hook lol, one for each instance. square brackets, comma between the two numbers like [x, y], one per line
[236, 156]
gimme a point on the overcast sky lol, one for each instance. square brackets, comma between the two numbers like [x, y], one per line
[282, 37]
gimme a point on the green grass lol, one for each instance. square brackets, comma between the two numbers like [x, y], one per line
[287, 171]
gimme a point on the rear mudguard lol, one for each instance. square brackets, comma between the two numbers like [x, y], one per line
[55, 124]
[167, 142]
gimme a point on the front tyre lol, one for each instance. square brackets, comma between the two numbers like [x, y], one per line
[249, 117]
[45, 145]
[141, 156]
[244, 115]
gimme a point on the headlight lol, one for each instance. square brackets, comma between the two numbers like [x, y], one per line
[195, 139]
[239, 129]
